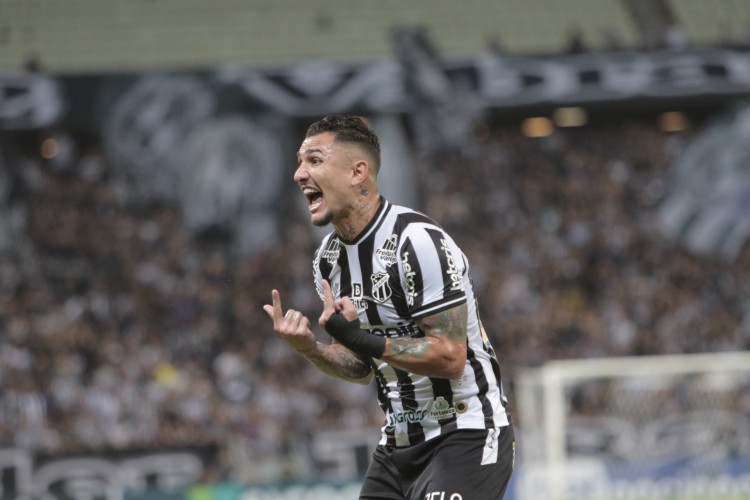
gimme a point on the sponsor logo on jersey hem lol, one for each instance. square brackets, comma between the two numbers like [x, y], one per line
[441, 409]
[409, 416]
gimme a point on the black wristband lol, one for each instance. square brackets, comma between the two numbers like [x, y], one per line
[353, 337]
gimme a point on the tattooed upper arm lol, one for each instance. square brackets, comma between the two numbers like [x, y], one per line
[441, 352]
[451, 323]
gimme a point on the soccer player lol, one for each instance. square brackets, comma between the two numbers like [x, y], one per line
[399, 305]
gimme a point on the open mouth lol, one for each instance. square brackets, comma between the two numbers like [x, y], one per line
[314, 198]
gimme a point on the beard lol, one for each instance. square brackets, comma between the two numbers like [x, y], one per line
[327, 219]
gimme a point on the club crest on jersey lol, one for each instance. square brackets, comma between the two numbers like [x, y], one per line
[387, 253]
[332, 251]
[381, 289]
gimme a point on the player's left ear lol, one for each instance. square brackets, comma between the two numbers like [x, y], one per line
[359, 172]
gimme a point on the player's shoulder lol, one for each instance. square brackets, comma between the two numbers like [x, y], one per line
[418, 230]
[406, 216]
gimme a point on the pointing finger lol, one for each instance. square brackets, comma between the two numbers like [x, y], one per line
[274, 310]
[276, 298]
[327, 295]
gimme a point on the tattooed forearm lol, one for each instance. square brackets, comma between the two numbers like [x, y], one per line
[339, 362]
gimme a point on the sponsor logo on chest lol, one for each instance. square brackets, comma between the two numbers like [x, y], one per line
[387, 253]
[358, 297]
[402, 330]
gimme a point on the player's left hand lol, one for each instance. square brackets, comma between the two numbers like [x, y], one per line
[344, 305]
[329, 304]
[341, 321]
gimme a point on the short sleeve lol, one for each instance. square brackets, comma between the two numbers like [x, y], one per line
[432, 270]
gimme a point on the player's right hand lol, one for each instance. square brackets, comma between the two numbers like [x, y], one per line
[292, 326]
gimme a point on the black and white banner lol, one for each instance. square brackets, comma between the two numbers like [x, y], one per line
[207, 139]
[104, 477]
[315, 88]
[707, 204]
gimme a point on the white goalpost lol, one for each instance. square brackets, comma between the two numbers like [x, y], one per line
[648, 428]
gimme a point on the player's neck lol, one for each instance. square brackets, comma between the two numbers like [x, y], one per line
[353, 225]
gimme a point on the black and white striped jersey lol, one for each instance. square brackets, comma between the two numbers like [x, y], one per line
[403, 267]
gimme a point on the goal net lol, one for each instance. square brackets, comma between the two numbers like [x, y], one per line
[645, 428]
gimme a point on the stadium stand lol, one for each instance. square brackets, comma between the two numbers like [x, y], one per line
[724, 21]
[121, 330]
[85, 35]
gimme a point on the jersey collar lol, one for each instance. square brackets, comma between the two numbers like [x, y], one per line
[372, 225]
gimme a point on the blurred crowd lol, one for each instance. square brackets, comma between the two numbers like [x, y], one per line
[121, 330]
[568, 254]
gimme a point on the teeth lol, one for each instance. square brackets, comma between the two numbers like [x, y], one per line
[310, 191]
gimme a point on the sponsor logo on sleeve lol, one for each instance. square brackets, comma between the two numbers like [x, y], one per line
[451, 271]
[411, 287]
